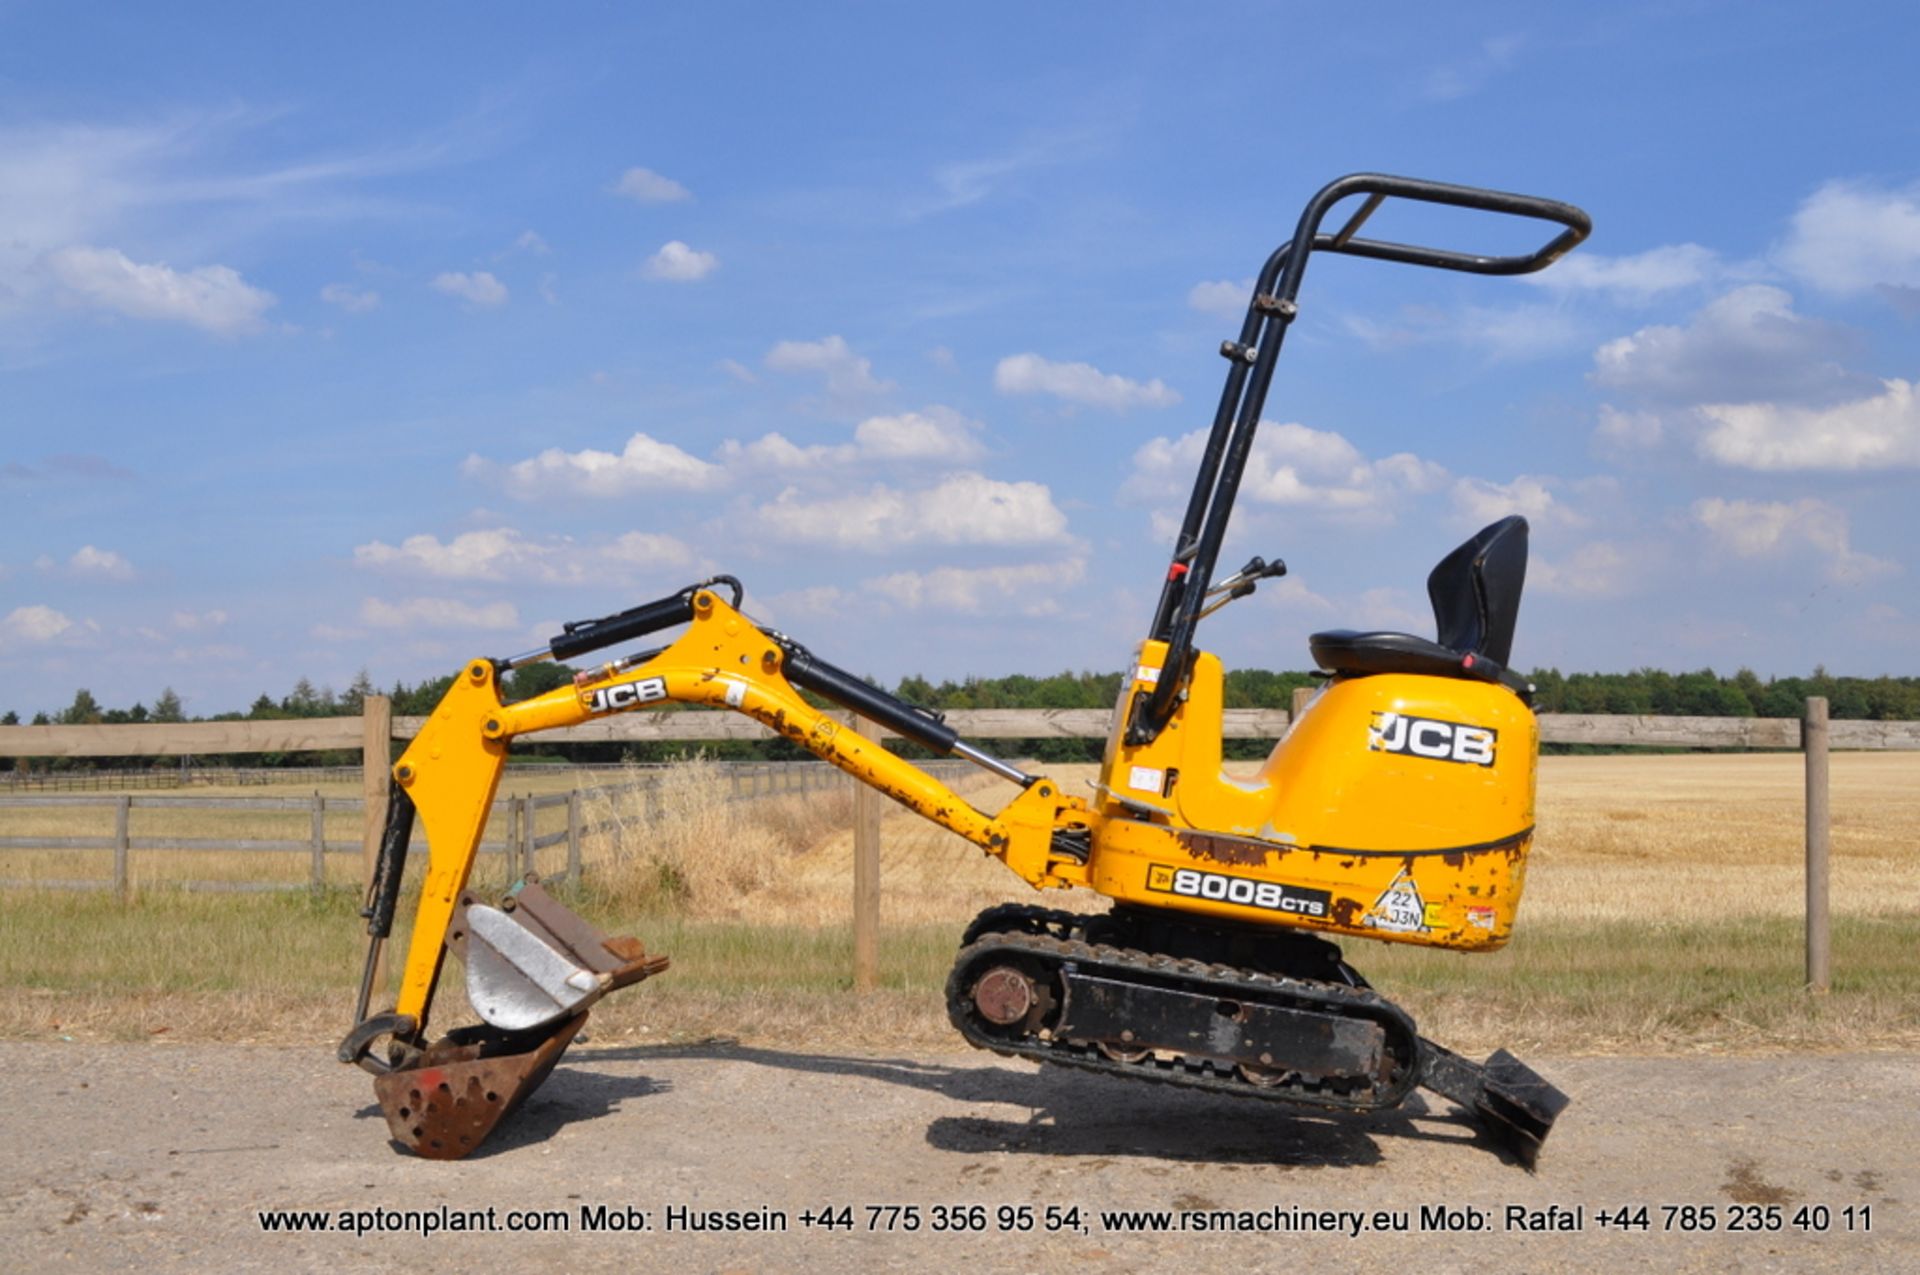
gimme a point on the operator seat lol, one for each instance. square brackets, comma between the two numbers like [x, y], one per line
[1475, 591]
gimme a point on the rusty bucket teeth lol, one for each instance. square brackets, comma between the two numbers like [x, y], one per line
[466, 1083]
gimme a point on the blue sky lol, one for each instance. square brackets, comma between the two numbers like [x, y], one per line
[381, 337]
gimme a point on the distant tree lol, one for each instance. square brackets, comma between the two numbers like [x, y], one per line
[308, 702]
[84, 711]
[536, 679]
[167, 707]
[11, 719]
[354, 702]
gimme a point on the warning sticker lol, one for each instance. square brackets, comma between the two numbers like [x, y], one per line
[1146, 779]
[1482, 917]
[1148, 674]
[1399, 908]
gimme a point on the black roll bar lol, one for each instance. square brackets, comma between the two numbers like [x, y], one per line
[1252, 357]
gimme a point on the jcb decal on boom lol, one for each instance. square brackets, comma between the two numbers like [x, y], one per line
[1272, 895]
[611, 699]
[1429, 737]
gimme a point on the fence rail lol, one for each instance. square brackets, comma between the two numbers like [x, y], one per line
[1814, 735]
[512, 822]
[150, 739]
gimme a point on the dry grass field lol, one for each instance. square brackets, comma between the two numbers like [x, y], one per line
[1662, 915]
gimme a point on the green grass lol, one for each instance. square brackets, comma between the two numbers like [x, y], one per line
[285, 968]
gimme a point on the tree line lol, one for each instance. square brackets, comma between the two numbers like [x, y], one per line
[1643, 691]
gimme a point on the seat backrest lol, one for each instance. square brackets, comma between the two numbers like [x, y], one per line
[1476, 590]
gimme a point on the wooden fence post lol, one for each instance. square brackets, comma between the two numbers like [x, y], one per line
[866, 873]
[318, 868]
[573, 838]
[1813, 742]
[121, 812]
[376, 776]
[1301, 694]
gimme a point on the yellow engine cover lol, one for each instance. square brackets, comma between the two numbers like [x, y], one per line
[1398, 807]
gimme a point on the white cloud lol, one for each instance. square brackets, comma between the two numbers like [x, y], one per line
[1222, 297]
[1849, 237]
[1879, 432]
[1028, 589]
[194, 622]
[966, 508]
[677, 263]
[1480, 501]
[738, 371]
[438, 613]
[1078, 383]
[936, 434]
[351, 299]
[504, 554]
[215, 298]
[1511, 332]
[820, 600]
[89, 561]
[33, 624]
[645, 463]
[1470, 74]
[1596, 570]
[649, 187]
[1633, 279]
[1746, 346]
[530, 241]
[1290, 465]
[479, 288]
[848, 375]
[1760, 529]
[1628, 431]
[646, 549]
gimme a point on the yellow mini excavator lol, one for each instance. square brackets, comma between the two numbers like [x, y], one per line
[1398, 807]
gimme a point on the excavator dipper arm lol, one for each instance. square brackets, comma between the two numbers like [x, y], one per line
[533, 967]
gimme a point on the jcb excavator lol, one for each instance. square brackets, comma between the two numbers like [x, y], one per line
[1398, 807]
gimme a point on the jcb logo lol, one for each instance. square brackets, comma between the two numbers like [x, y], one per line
[1428, 737]
[611, 699]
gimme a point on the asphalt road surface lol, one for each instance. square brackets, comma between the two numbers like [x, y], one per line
[162, 1157]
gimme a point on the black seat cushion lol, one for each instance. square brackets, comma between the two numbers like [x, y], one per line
[1346, 651]
[1475, 593]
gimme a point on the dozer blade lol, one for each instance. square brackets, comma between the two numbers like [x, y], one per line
[466, 1083]
[531, 963]
[1514, 1104]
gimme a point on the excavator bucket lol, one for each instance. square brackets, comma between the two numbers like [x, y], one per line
[531, 963]
[466, 1083]
[533, 969]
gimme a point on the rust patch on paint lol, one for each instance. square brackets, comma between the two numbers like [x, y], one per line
[1219, 849]
[1347, 912]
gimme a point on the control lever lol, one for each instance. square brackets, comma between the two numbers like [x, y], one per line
[1256, 569]
[1242, 582]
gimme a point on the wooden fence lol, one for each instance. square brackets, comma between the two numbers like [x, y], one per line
[513, 823]
[373, 732]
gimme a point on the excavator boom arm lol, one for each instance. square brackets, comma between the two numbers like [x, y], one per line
[453, 767]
